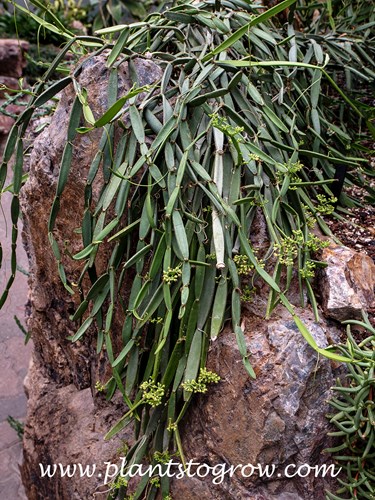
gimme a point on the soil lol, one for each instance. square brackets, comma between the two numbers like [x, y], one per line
[357, 229]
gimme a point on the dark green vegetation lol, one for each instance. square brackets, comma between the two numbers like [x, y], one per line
[251, 113]
[16, 425]
[355, 417]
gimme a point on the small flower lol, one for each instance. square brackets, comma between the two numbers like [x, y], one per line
[254, 157]
[99, 386]
[290, 169]
[157, 320]
[243, 264]
[172, 426]
[247, 294]
[325, 205]
[309, 270]
[152, 393]
[208, 377]
[286, 250]
[315, 244]
[221, 123]
[310, 219]
[194, 386]
[162, 457]
[172, 275]
[155, 481]
[120, 482]
[200, 385]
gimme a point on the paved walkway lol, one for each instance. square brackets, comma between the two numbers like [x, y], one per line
[14, 360]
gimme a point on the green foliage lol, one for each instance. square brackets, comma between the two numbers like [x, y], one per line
[354, 418]
[15, 23]
[340, 16]
[110, 12]
[245, 118]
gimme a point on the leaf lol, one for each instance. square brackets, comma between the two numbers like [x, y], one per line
[123, 353]
[311, 341]
[82, 330]
[180, 234]
[274, 118]
[117, 49]
[218, 309]
[193, 360]
[114, 110]
[136, 257]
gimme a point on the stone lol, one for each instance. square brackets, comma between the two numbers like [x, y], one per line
[63, 404]
[277, 419]
[51, 303]
[9, 82]
[10, 459]
[347, 283]
[12, 59]
[14, 357]
[6, 123]
[65, 426]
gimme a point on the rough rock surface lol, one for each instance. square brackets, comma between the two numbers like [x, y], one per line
[347, 283]
[51, 304]
[65, 426]
[63, 404]
[277, 419]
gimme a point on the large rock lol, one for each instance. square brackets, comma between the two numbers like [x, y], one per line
[12, 58]
[7, 82]
[347, 283]
[277, 419]
[65, 426]
[63, 406]
[12, 63]
[51, 303]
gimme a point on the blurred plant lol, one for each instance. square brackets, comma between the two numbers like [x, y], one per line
[69, 10]
[109, 12]
[340, 16]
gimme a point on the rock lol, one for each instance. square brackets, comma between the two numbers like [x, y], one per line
[12, 62]
[9, 82]
[64, 426]
[6, 123]
[51, 303]
[347, 283]
[65, 373]
[12, 59]
[277, 419]
[79, 27]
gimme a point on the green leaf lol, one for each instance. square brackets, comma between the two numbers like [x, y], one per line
[116, 108]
